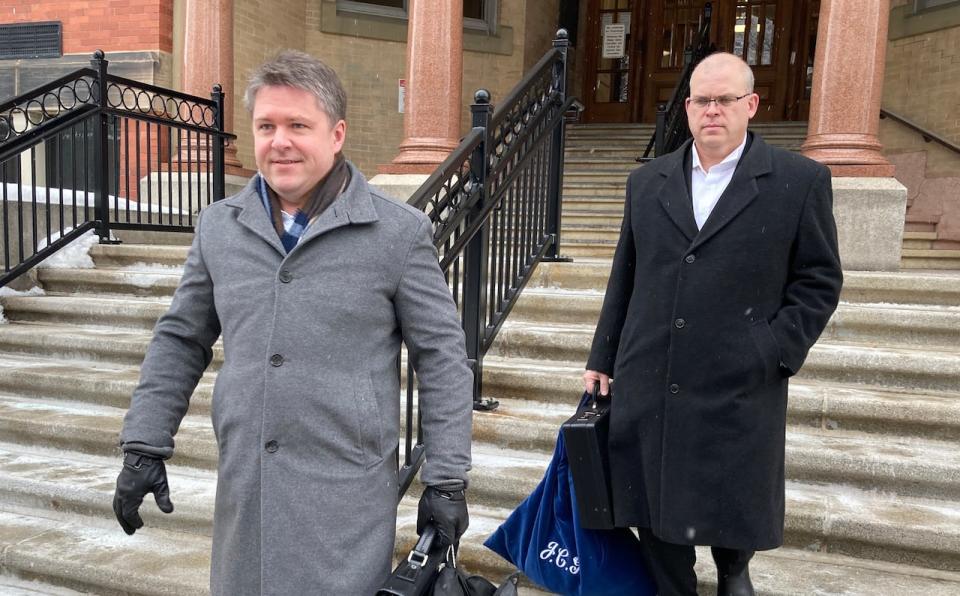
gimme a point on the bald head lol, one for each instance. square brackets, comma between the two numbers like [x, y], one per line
[720, 106]
[725, 62]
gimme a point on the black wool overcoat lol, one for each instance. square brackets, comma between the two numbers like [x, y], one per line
[700, 331]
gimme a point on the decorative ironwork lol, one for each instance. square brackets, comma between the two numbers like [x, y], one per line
[135, 97]
[32, 110]
[133, 157]
[672, 129]
[495, 209]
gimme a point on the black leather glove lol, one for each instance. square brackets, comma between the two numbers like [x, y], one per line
[141, 474]
[446, 510]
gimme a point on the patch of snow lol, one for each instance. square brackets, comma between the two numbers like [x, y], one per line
[5, 291]
[75, 255]
[54, 196]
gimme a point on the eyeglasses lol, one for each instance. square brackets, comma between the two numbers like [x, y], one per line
[724, 100]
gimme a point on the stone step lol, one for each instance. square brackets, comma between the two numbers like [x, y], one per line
[820, 448]
[107, 374]
[920, 325]
[919, 240]
[577, 217]
[890, 367]
[597, 204]
[583, 177]
[126, 255]
[606, 189]
[135, 281]
[156, 561]
[934, 258]
[125, 312]
[593, 232]
[593, 250]
[897, 287]
[13, 586]
[828, 517]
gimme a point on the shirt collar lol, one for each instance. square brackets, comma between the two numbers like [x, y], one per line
[734, 156]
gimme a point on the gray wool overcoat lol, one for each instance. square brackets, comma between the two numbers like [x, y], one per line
[306, 408]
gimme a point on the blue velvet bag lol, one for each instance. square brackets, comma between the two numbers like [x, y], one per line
[543, 538]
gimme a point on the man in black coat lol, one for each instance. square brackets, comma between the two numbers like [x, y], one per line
[726, 273]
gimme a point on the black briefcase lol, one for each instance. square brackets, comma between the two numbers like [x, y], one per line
[416, 575]
[585, 435]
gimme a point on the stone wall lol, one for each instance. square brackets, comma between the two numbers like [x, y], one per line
[261, 28]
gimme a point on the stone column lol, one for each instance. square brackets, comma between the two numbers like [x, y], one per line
[847, 88]
[431, 119]
[868, 203]
[208, 58]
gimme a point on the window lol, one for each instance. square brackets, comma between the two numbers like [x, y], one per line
[477, 14]
[31, 40]
[921, 5]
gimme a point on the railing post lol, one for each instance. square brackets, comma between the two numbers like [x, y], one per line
[219, 173]
[555, 182]
[476, 262]
[101, 143]
[660, 130]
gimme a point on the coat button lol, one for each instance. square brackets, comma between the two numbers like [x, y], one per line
[690, 258]
[271, 446]
[276, 360]
[674, 388]
[679, 323]
[285, 276]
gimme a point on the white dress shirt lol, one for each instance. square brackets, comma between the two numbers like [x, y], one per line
[707, 186]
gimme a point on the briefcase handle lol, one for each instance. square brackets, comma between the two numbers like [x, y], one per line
[595, 397]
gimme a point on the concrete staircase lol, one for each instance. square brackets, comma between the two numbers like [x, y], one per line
[598, 160]
[873, 471]
[873, 495]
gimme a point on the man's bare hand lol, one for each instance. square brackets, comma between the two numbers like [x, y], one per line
[591, 376]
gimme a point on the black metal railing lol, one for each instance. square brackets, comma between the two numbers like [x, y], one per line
[93, 151]
[495, 208]
[927, 135]
[672, 130]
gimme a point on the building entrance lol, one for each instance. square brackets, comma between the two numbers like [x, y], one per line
[635, 52]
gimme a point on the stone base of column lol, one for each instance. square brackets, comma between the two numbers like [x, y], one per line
[399, 186]
[420, 155]
[870, 215]
[849, 155]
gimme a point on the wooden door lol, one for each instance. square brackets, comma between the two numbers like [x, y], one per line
[675, 24]
[759, 31]
[803, 47]
[610, 84]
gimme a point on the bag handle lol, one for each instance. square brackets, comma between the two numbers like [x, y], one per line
[596, 397]
[420, 552]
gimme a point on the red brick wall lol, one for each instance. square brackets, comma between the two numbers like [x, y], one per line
[110, 25]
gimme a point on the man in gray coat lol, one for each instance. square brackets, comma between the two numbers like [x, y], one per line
[313, 279]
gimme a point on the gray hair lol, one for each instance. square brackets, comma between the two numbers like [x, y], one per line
[292, 68]
[726, 57]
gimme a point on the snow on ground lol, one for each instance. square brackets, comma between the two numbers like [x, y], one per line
[75, 255]
[5, 291]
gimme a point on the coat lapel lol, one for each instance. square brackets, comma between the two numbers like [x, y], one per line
[741, 191]
[673, 194]
[254, 217]
[353, 206]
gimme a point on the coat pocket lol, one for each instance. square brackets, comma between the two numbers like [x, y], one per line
[768, 350]
[368, 422]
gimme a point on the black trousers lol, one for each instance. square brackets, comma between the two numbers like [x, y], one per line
[672, 564]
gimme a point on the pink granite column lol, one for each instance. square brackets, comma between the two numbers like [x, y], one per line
[431, 119]
[847, 88]
[208, 58]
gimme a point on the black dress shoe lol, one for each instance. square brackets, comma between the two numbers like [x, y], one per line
[735, 585]
[733, 572]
